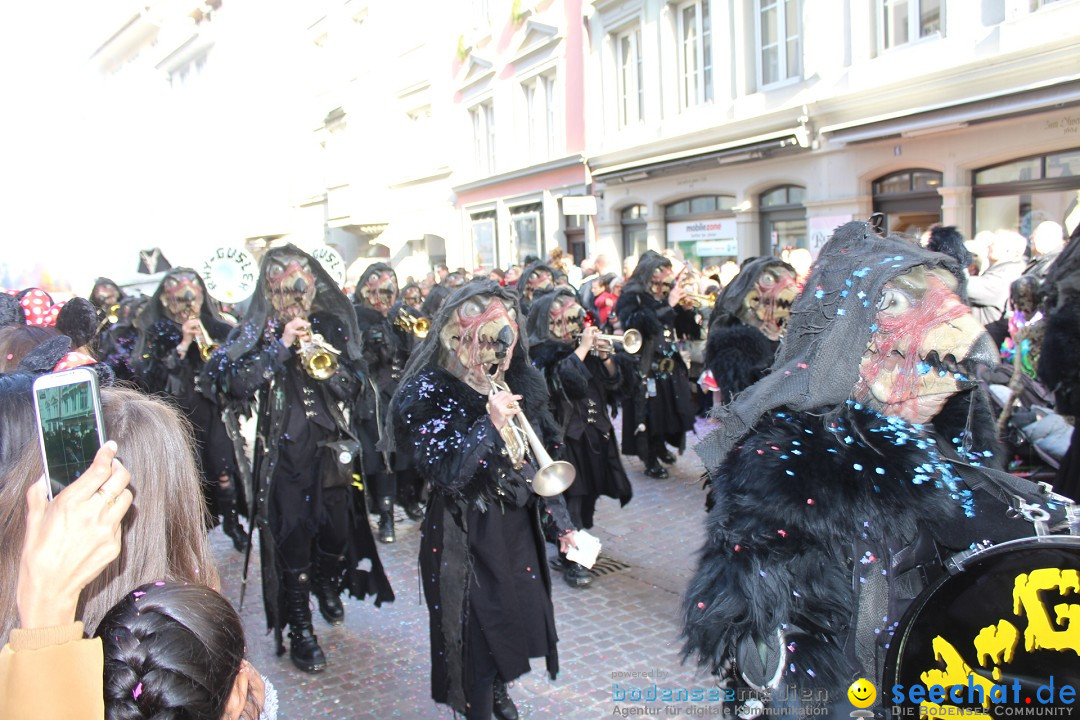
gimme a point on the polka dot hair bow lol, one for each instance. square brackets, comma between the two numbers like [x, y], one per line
[39, 308]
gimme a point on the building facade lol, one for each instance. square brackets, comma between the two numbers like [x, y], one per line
[732, 128]
[519, 121]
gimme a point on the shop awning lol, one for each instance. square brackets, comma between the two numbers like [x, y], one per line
[943, 117]
[731, 152]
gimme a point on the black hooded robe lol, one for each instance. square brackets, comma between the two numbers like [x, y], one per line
[302, 489]
[482, 557]
[160, 369]
[662, 399]
[581, 392]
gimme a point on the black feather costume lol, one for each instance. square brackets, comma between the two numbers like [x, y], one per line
[829, 517]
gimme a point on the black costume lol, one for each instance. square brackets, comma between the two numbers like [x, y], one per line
[157, 363]
[581, 393]
[117, 344]
[307, 510]
[526, 295]
[829, 516]
[738, 354]
[1058, 368]
[386, 350]
[482, 557]
[661, 398]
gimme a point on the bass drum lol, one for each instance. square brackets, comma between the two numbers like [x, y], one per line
[1010, 618]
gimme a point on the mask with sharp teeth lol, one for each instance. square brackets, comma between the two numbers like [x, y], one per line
[181, 295]
[539, 281]
[662, 281]
[412, 297]
[925, 347]
[767, 306]
[478, 340]
[566, 320]
[290, 285]
[379, 291]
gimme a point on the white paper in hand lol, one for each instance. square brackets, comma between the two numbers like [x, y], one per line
[588, 548]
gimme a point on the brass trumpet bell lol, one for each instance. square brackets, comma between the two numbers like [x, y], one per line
[418, 326]
[699, 300]
[318, 357]
[631, 340]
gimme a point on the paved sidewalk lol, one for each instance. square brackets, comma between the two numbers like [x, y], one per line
[626, 622]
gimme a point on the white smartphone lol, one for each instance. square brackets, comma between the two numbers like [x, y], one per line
[67, 406]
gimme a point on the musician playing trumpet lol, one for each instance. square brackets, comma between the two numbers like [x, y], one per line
[178, 321]
[482, 559]
[583, 381]
[297, 352]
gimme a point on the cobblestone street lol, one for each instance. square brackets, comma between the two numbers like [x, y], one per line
[626, 622]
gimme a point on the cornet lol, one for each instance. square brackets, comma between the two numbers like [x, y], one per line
[418, 326]
[206, 344]
[698, 300]
[554, 476]
[317, 357]
[631, 340]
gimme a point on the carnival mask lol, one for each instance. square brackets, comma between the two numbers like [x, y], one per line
[181, 296]
[105, 295]
[924, 349]
[478, 340]
[767, 306]
[1024, 293]
[454, 280]
[540, 281]
[291, 285]
[380, 291]
[663, 279]
[566, 321]
[412, 297]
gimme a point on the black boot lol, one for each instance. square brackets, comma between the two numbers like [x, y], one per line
[230, 520]
[386, 526]
[504, 706]
[667, 456]
[576, 576]
[326, 588]
[304, 650]
[386, 518]
[415, 511]
[656, 470]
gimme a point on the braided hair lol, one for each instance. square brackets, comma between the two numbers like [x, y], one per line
[172, 652]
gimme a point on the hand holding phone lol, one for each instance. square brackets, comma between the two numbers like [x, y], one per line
[67, 406]
[70, 540]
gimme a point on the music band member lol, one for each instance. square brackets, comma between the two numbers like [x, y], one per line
[386, 351]
[536, 279]
[845, 474]
[746, 325]
[482, 559]
[178, 329]
[583, 380]
[298, 352]
[661, 409]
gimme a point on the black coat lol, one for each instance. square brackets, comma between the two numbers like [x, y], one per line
[482, 551]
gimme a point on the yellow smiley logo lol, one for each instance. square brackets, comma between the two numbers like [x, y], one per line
[862, 693]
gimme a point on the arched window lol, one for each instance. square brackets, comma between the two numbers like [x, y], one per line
[635, 238]
[783, 219]
[909, 199]
[702, 229]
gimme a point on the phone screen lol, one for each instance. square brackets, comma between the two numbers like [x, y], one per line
[68, 429]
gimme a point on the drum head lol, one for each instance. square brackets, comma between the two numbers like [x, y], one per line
[1008, 623]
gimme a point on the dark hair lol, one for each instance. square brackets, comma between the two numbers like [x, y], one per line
[16, 341]
[171, 651]
[17, 429]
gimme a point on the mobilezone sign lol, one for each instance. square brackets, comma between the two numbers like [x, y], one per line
[712, 238]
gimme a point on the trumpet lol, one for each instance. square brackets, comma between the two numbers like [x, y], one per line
[112, 316]
[698, 300]
[206, 344]
[554, 476]
[418, 326]
[317, 357]
[631, 340]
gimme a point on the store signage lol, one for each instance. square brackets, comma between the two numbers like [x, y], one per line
[711, 238]
[579, 205]
[820, 229]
